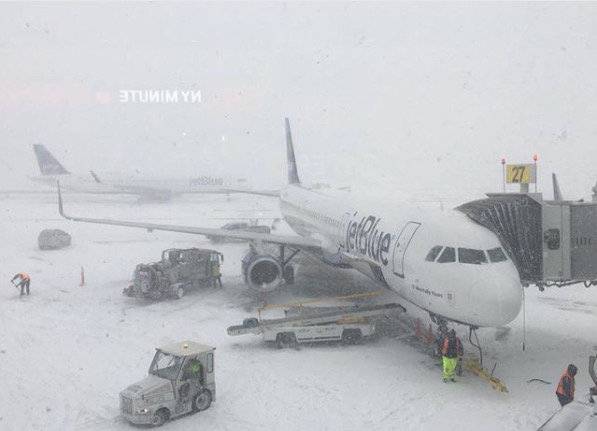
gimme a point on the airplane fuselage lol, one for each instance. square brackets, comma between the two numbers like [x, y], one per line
[390, 243]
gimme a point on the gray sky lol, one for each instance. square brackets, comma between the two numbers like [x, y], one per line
[393, 95]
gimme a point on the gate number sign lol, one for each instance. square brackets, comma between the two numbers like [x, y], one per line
[521, 174]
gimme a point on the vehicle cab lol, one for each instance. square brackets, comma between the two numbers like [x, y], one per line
[181, 380]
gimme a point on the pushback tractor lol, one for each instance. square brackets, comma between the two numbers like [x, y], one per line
[181, 380]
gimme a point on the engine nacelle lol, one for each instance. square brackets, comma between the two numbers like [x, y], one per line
[262, 272]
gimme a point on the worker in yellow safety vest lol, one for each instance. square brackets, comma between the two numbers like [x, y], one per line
[451, 351]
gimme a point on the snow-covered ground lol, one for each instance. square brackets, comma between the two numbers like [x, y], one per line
[66, 351]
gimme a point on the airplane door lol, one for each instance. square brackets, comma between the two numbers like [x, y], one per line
[402, 243]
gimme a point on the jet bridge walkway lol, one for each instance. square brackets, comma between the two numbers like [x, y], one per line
[550, 242]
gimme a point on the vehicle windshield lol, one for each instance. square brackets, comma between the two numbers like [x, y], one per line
[165, 365]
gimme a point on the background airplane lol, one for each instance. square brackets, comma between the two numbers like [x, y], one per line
[51, 171]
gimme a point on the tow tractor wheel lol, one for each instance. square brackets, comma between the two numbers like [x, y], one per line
[288, 274]
[179, 292]
[351, 336]
[159, 418]
[285, 339]
[202, 401]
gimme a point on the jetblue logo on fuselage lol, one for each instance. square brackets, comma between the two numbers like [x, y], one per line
[207, 181]
[364, 238]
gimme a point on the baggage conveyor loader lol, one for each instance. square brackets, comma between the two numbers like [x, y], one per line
[349, 324]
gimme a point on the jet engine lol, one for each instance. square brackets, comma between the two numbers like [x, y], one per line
[262, 272]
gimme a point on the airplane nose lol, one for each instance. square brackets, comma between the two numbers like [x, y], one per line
[499, 298]
[509, 298]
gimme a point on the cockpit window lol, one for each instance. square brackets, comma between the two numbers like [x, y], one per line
[469, 255]
[433, 253]
[448, 255]
[497, 255]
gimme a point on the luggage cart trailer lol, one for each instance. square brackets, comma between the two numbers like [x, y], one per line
[349, 325]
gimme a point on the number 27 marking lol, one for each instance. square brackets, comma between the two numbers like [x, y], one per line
[518, 173]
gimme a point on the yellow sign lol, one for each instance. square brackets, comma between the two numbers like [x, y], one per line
[521, 174]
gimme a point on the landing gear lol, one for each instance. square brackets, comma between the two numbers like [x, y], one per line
[473, 330]
[289, 274]
[442, 329]
[287, 270]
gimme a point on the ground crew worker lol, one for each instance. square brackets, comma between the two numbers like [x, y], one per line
[565, 389]
[451, 350]
[215, 270]
[23, 282]
[196, 369]
[193, 372]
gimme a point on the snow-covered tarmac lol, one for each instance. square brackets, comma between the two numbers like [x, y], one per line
[66, 351]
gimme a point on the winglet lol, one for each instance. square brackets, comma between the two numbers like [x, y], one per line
[95, 177]
[557, 193]
[293, 177]
[60, 205]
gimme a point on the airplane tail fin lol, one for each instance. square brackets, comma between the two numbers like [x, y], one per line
[557, 193]
[293, 177]
[48, 165]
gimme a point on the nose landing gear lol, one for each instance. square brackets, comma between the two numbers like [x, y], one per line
[473, 330]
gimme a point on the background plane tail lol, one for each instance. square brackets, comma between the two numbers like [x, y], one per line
[293, 177]
[48, 165]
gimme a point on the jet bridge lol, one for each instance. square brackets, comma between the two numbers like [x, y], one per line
[550, 242]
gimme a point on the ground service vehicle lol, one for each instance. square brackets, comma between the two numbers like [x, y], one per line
[314, 324]
[181, 380]
[178, 271]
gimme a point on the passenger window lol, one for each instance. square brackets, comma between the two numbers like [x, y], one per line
[469, 255]
[497, 255]
[448, 255]
[433, 253]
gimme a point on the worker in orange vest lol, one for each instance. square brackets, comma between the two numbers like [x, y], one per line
[565, 389]
[23, 281]
[451, 351]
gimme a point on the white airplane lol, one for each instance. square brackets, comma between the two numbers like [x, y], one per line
[440, 261]
[149, 189]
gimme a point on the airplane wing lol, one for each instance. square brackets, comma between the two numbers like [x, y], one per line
[232, 190]
[149, 191]
[293, 241]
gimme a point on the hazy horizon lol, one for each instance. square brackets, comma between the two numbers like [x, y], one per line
[392, 95]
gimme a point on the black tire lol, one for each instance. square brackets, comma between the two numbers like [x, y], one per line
[179, 292]
[288, 274]
[351, 336]
[202, 401]
[285, 339]
[160, 417]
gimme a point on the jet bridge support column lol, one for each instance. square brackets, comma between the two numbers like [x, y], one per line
[556, 250]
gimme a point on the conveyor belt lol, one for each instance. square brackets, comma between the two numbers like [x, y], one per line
[311, 318]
